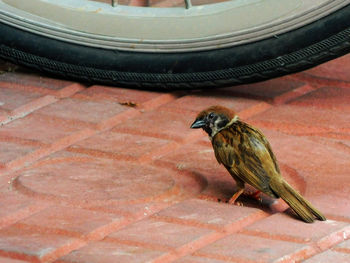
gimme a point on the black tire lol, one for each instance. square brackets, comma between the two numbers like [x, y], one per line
[287, 53]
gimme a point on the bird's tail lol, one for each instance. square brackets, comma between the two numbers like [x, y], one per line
[299, 204]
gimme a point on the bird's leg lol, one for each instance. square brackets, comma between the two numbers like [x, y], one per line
[235, 196]
[240, 189]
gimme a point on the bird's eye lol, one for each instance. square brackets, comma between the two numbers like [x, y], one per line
[211, 115]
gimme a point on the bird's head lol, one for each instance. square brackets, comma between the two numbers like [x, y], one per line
[214, 119]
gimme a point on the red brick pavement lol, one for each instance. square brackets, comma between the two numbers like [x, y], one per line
[86, 178]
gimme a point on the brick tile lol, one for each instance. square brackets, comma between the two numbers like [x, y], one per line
[73, 221]
[337, 69]
[290, 229]
[33, 245]
[104, 93]
[32, 106]
[29, 79]
[159, 124]
[193, 157]
[308, 158]
[242, 248]
[87, 111]
[197, 259]
[11, 202]
[344, 246]
[116, 145]
[40, 128]
[212, 215]
[104, 182]
[335, 203]
[87, 180]
[3, 114]
[329, 256]
[106, 252]
[11, 99]
[198, 101]
[331, 98]
[158, 233]
[267, 90]
[64, 154]
[138, 99]
[9, 260]
[14, 207]
[10, 151]
[300, 120]
[135, 211]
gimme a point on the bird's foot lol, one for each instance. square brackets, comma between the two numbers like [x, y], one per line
[233, 201]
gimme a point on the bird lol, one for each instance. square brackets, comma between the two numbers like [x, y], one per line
[247, 155]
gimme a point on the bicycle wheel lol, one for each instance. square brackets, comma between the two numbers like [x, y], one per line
[214, 45]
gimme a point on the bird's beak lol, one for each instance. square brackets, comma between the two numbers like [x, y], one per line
[198, 124]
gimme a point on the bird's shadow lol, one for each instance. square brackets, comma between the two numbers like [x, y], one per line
[221, 190]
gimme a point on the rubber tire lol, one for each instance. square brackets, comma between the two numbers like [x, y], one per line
[287, 53]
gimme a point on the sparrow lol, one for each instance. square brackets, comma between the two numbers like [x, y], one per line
[248, 157]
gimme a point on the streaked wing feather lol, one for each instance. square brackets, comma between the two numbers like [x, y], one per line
[246, 153]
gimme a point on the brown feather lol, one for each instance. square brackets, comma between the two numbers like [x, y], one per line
[251, 161]
[247, 155]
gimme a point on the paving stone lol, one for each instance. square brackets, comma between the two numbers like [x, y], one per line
[11, 99]
[334, 204]
[196, 259]
[93, 180]
[316, 163]
[291, 229]
[103, 94]
[160, 124]
[300, 120]
[64, 155]
[82, 110]
[41, 128]
[3, 114]
[344, 245]
[106, 174]
[32, 245]
[106, 252]
[15, 207]
[337, 69]
[9, 260]
[11, 203]
[29, 79]
[73, 221]
[116, 145]
[266, 90]
[329, 256]
[135, 211]
[331, 98]
[208, 214]
[198, 101]
[10, 151]
[242, 248]
[158, 233]
[193, 157]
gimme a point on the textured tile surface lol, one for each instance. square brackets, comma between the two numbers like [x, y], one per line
[86, 178]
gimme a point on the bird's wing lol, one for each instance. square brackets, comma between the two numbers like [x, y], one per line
[245, 152]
